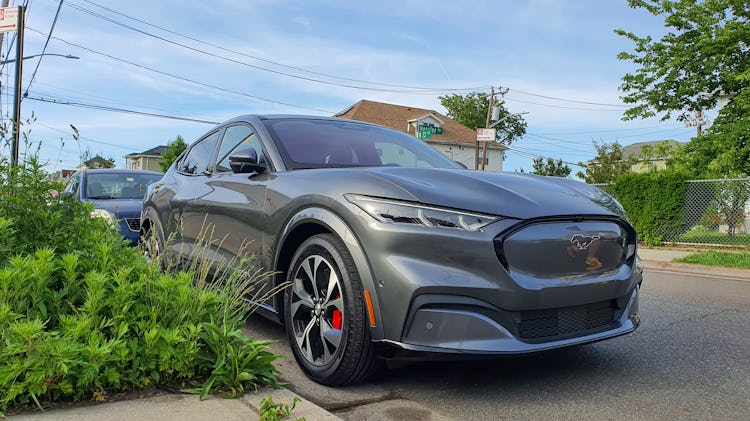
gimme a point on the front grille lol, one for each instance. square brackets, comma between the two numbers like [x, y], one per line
[134, 224]
[566, 321]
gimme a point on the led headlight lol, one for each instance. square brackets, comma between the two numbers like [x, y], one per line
[396, 212]
[102, 213]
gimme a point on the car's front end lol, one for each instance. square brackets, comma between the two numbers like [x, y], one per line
[125, 214]
[469, 282]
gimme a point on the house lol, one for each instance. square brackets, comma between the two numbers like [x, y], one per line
[651, 155]
[97, 162]
[62, 176]
[148, 160]
[445, 135]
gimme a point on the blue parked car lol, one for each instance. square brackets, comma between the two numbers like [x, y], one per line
[117, 195]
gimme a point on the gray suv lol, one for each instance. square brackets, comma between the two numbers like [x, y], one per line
[391, 250]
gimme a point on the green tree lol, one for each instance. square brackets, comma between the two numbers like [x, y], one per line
[553, 168]
[174, 149]
[96, 161]
[471, 111]
[608, 165]
[725, 150]
[704, 56]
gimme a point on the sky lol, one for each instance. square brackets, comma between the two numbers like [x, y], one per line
[148, 70]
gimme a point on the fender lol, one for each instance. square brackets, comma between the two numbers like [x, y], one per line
[337, 226]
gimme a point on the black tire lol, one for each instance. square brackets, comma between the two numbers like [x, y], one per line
[152, 245]
[323, 280]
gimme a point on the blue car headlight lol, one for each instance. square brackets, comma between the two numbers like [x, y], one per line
[397, 212]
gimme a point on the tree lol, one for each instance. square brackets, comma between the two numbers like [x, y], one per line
[725, 150]
[608, 165]
[553, 168]
[703, 57]
[471, 111]
[173, 151]
[96, 161]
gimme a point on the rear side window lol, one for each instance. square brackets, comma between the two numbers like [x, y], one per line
[199, 157]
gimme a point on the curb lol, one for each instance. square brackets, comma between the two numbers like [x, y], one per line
[699, 270]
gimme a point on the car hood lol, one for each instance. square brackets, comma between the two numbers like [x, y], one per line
[121, 208]
[515, 195]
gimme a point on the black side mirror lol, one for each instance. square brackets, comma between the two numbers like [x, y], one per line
[246, 161]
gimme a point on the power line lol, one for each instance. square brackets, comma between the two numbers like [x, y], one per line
[120, 110]
[566, 100]
[259, 58]
[562, 106]
[88, 138]
[422, 91]
[44, 49]
[182, 78]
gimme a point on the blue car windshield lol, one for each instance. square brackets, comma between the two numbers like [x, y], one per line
[100, 186]
[333, 144]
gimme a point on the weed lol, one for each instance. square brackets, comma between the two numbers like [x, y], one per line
[275, 411]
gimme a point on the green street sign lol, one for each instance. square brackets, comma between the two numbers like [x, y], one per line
[437, 130]
[424, 134]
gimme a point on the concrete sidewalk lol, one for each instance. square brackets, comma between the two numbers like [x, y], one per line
[183, 408]
[661, 260]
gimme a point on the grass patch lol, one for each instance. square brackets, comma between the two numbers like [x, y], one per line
[702, 235]
[718, 258]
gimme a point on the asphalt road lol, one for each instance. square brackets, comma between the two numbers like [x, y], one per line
[690, 359]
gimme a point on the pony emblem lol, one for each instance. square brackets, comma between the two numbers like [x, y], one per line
[582, 242]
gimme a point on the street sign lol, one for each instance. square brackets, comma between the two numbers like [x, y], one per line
[486, 135]
[8, 19]
[424, 134]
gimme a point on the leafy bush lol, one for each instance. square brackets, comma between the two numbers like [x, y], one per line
[83, 315]
[654, 202]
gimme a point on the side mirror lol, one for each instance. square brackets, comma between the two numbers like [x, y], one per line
[246, 161]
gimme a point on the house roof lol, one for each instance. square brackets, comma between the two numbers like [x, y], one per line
[157, 151]
[97, 162]
[634, 149]
[402, 118]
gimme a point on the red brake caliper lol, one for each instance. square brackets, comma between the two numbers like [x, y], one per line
[336, 322]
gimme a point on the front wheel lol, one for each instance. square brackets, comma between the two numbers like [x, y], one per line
[326, 320]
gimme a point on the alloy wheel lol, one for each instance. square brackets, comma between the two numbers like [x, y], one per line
[317, 310]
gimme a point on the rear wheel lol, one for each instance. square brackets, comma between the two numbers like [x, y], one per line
[326, 320]
[151, 245]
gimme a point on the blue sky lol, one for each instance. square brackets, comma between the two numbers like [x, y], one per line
[563, 49]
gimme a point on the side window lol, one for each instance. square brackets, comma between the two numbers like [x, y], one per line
[198, 158]
[72, 185]
[235, 138]
[394, 154]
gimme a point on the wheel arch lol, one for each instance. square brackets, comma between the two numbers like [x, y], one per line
[313, 221]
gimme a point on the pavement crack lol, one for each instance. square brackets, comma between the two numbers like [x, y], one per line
[672, 324]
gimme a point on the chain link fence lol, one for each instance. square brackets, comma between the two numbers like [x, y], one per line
[715, 212]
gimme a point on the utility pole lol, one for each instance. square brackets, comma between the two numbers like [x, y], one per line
[487, 125]
[17, 89]
[699, 120]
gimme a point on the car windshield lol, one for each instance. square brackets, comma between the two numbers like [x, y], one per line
[118, 185]
[334, 144]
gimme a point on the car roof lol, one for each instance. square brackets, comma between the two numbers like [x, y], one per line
[294, 117]
[116, 171]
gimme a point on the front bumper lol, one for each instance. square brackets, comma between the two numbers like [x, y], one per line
[459, 325]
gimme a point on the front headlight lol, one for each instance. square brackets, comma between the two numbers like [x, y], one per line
[102, 213]
[396, 212]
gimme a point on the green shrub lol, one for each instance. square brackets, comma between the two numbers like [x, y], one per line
[654, 202]
[83, 315]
